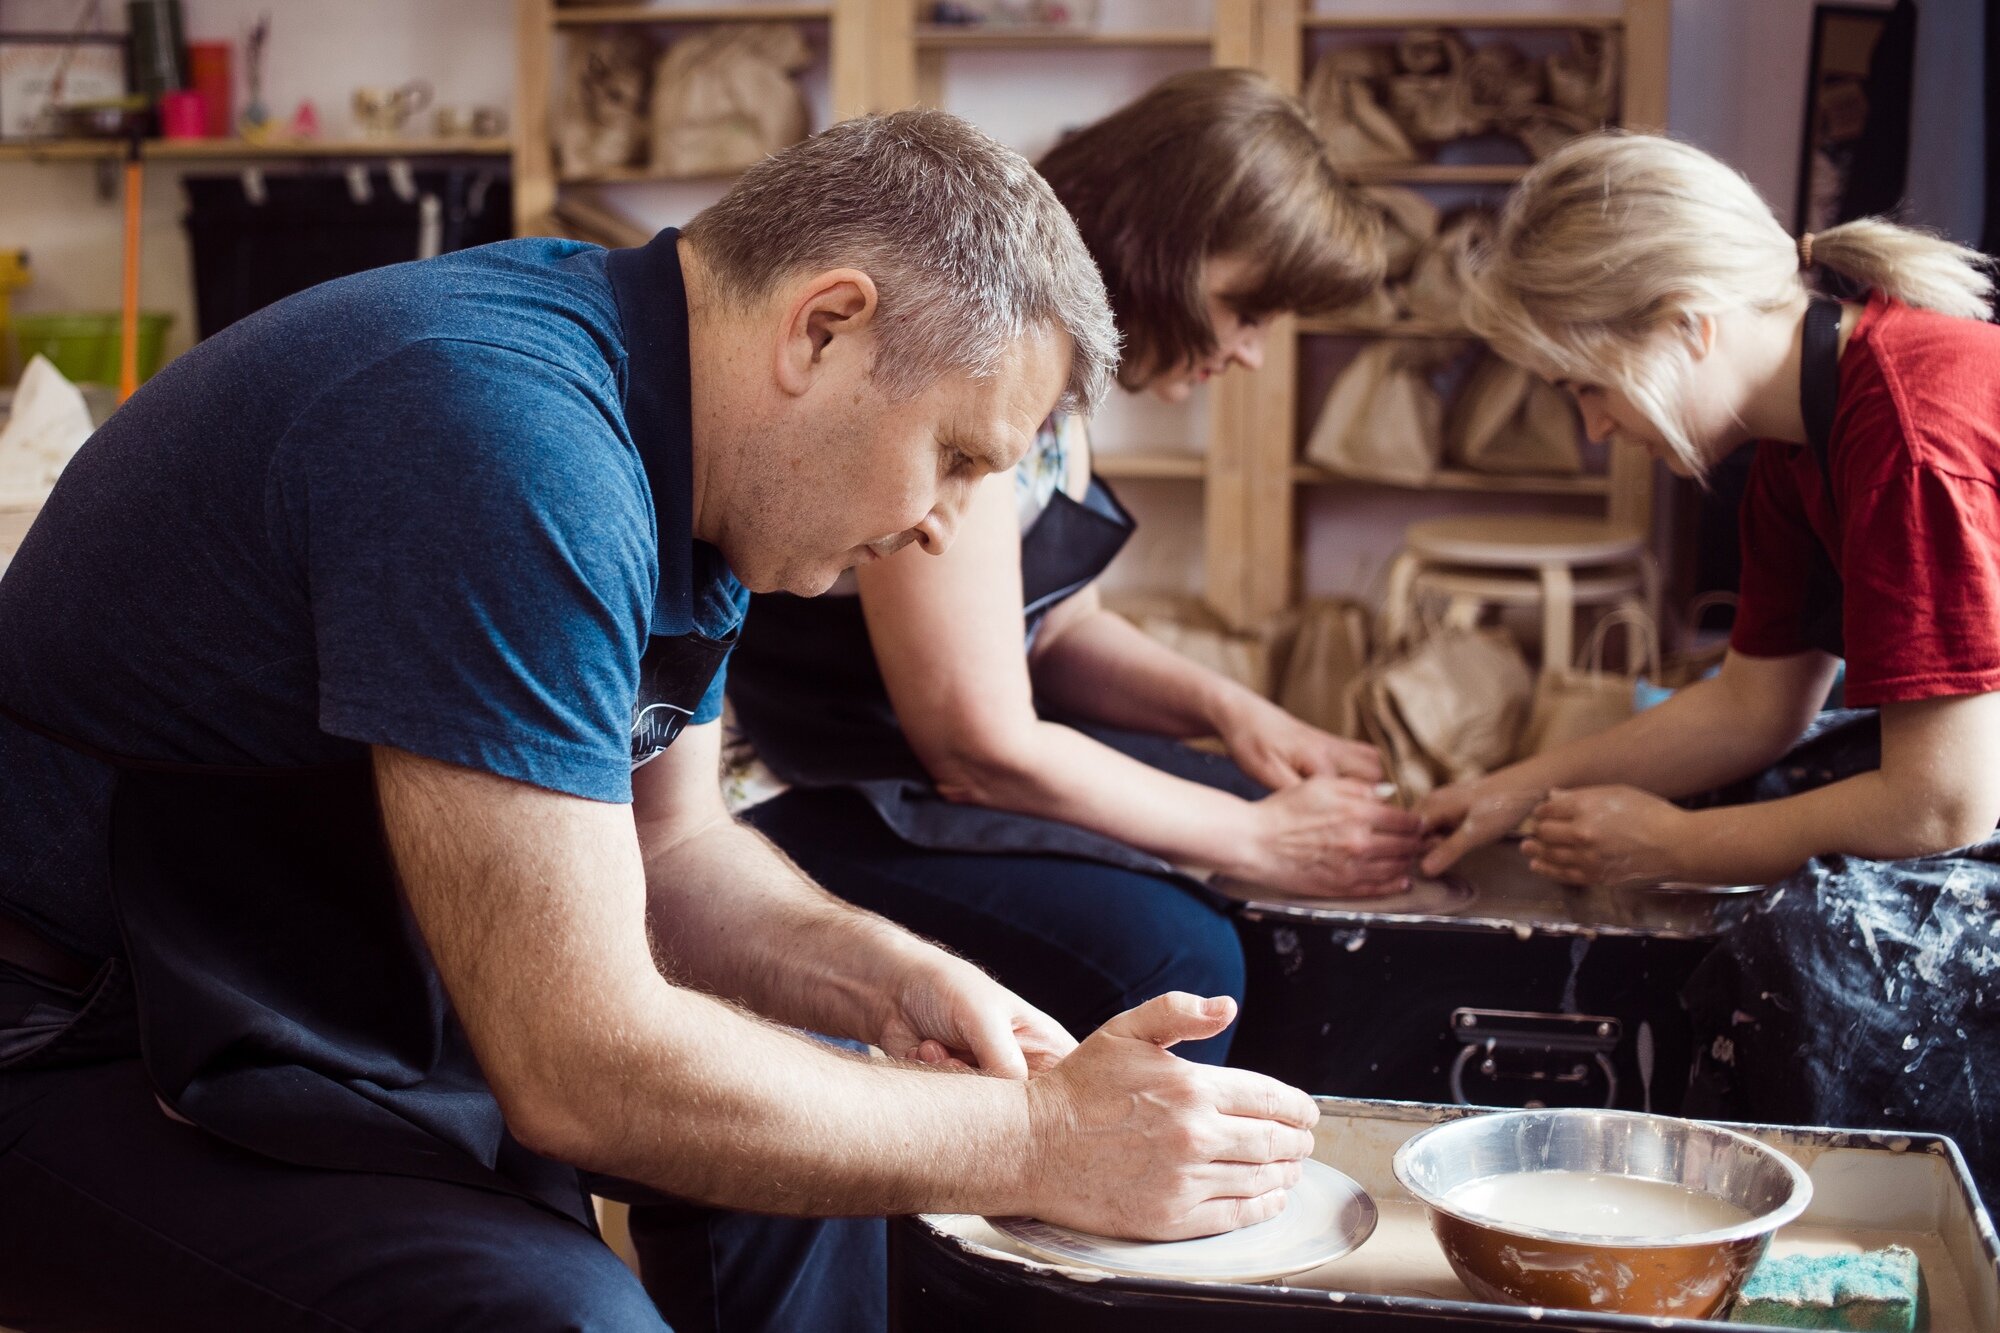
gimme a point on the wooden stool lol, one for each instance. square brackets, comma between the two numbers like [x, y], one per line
[1520, 560]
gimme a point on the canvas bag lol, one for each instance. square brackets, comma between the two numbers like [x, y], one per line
[1382, 421]
[724, 97]
[1508, 420]
[1340, 98]
[1573, 703]
[1329, 652]
[1450, 703]
[1409, 221]
[1435, 293]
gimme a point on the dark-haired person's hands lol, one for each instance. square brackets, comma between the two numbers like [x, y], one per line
[1280, 750]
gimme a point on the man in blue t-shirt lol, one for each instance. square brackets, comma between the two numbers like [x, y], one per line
[364, 876]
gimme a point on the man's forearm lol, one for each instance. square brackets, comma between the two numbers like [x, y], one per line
[732, 915]
[532, 905]
[724, 1109]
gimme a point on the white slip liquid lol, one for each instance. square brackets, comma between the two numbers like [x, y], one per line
[1591, 1203]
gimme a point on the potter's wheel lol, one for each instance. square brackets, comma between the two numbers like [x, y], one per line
[1446, 895]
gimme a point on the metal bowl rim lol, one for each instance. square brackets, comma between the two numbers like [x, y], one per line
[1781, 1216]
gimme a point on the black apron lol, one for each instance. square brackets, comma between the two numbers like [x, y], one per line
[808, 695]
[1819, 396]
[285, 1001]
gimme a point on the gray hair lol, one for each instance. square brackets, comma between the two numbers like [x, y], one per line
[969, 249]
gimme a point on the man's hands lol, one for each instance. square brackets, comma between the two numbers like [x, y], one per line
[1280, 750]
[1128, 1140]
[1331, 838]
[947, 1012]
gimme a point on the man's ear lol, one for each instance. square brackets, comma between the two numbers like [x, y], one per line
[824, 316]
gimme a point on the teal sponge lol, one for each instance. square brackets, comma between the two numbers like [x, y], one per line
[1876, 1290]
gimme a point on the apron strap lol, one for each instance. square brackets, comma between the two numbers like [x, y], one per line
[1819, 384]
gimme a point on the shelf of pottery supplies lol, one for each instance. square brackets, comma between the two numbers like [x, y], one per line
[1436, 173]
[1478, 22]
[1149, 465]
[1461, 479]
[948, 36]
[244, 150]
[1333, 326]
[578, 15]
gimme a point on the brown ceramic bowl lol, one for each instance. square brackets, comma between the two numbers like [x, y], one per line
[1689, 1274]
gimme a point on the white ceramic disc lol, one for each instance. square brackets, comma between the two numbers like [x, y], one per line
[1328, 1215]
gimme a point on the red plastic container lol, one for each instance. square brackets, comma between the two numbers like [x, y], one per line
[209, 75]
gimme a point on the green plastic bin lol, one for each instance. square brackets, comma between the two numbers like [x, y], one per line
[84, 347]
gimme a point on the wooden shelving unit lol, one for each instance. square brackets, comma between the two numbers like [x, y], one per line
[933, 36]
[1277, 478]
[883, 55]
[851, 42]
[203, 150]
[585, 15]
[1149, 466]
[1470, 21]
[1439, 173]
[1458, 479]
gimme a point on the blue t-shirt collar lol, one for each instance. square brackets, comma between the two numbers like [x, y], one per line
[659, 408]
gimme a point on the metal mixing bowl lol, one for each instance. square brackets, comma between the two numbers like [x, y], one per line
[1692, 1276]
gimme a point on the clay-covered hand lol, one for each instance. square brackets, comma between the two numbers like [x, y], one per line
[1614, 836]
[1330, 838]
[1130, 1140]
[1280, 750]
[1467, 815]
[946, 1012]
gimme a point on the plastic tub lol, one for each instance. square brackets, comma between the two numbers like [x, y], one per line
[85, 347]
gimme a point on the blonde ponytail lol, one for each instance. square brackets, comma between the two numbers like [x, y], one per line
[1614, 247]
[1916, 267]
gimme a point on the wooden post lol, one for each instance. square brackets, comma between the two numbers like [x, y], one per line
[534, 153]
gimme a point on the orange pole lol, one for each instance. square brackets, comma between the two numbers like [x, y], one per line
[128, 314]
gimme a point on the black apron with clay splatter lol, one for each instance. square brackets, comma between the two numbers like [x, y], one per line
[808, 694]
[1855, 994]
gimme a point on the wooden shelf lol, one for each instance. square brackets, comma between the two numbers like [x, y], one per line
[623, 175]
[1436, 173]
[1457, 479]
[195, 150]
[1149, 467]
[1329, 326]
[573, 15]
[1439, 19]
[944, 36]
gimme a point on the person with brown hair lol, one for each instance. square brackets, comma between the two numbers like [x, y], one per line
[975, 746]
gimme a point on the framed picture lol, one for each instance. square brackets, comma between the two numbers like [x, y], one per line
[41, 71]
[1854, 158]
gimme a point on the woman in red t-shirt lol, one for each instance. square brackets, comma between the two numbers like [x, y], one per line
[1654, 283]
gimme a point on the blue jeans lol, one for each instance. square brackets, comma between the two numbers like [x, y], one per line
[1079, 940]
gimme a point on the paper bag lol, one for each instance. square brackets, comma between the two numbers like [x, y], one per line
[1328, 653]
[1382, 420]
[1571, 704]
[1508, 420]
